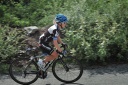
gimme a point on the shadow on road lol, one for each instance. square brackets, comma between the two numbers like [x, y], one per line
[68, 84]
[72, 84]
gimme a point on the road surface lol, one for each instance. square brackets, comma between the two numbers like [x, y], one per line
[94, 75]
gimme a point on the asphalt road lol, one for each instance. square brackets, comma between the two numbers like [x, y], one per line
[94, 75]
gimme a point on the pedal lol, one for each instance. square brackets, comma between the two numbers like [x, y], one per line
[42, 74]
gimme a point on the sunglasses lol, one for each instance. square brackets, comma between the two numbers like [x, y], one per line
[64, 22]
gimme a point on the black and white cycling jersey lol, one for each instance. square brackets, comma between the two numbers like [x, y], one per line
[51, 34]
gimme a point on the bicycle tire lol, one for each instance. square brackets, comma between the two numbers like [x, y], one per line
[17, 62]
[67, 60]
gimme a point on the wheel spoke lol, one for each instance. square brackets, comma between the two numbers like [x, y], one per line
[22, 72]
[73, 74]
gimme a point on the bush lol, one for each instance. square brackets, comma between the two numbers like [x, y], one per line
[98, 30]
[10, 41]
[31, 12]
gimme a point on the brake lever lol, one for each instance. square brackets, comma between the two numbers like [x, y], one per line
[63, 47]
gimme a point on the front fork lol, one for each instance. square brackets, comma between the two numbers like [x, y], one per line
[64, 65]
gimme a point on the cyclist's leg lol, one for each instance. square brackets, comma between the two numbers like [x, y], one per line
[51, 57]
[50, 51]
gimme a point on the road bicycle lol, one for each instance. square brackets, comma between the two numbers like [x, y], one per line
[25, 70]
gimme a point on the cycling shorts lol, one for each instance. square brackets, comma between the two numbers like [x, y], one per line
[46, 48]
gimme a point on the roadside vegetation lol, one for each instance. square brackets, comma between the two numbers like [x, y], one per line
[97, 31]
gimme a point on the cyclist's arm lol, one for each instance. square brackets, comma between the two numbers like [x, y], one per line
[55, 43]
[59, 40]
[56, 40]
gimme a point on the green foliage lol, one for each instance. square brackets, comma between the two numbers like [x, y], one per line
[4, 68]
[20, 13]
[97, 29]
[10, 41]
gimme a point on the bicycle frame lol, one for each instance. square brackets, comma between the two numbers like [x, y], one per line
[30, 66]
[48, 64]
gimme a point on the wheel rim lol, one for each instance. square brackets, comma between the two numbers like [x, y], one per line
[19, 74]
[72, 73]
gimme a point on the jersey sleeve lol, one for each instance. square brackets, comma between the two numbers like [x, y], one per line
[55, 34]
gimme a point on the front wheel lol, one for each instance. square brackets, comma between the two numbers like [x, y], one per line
[67, 69]
[23, 71]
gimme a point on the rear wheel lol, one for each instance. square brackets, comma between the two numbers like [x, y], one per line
[67, 69]
[23, 71]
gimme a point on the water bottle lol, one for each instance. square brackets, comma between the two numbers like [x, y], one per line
[40, 63]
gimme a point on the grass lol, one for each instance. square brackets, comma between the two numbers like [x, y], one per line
[4, 68]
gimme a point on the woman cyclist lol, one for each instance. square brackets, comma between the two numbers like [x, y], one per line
[52, 36]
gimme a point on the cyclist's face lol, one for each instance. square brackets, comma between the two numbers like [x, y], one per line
[64, 24]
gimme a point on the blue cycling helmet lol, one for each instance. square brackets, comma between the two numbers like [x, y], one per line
[61, 18]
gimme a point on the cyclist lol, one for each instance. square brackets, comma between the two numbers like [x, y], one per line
[52, 36]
